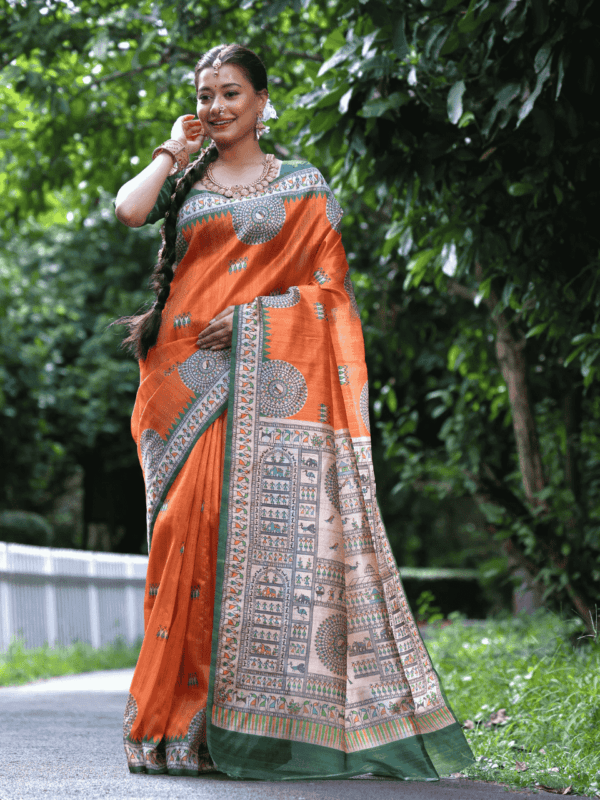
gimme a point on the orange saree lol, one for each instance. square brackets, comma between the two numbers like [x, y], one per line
[279, 643]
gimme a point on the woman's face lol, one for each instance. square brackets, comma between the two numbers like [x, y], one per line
[228, 105]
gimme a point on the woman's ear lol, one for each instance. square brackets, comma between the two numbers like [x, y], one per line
[264, 95]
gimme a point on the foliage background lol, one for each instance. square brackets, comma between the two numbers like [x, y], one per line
[460, 137]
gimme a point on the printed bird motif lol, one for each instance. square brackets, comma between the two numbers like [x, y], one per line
[349, 568]
[299, 667]
[334, 546]
[330, 520]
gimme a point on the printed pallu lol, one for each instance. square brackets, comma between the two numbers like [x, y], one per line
[279, 643]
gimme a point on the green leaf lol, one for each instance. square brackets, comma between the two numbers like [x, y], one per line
[454, 103]
[535, 331]
[377, 107]
[391, 400]
[399, 42]
[465, 119]
[518, 189]
[345, 101]
[453, 355]
[504, 98]
[527, 106]
[339, 57]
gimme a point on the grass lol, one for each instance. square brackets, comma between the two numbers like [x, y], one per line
[23, 666]
[548, 735]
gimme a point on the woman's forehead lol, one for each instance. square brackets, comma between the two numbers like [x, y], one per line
[228, 73]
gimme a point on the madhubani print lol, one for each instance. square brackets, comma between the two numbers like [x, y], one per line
[364, 405]
[259, 218]
[354, 310]
[316, 640]
[186, 754]
[206, 374]
[287, 299]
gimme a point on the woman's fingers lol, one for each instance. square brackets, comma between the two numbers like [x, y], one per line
[189, 129]
[217, 334]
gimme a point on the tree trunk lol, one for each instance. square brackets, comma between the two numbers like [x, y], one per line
[510, 353]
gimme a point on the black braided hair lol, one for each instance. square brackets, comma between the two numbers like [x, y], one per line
[144, 328]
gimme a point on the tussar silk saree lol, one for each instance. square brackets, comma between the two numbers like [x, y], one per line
[279, 643]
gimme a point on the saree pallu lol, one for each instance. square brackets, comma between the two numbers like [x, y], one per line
[279, 643]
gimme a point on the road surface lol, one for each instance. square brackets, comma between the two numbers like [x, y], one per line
[61, 738]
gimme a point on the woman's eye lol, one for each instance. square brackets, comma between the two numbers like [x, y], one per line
[231, 94]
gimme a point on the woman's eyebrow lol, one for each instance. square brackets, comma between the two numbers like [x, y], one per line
[224, 86]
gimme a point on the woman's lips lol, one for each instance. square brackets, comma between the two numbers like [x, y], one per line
[222, 123]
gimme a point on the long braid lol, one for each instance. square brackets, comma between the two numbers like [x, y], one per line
[144, 328]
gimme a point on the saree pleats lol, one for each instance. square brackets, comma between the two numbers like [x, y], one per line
[165, 729]
[279, 642]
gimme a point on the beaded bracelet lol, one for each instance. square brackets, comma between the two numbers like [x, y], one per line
[177, 150]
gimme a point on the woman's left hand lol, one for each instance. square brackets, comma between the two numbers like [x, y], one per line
[217, 334]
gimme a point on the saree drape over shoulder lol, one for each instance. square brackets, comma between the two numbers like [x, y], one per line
[279, 643]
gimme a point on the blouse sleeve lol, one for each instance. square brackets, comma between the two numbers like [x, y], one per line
[163, 199]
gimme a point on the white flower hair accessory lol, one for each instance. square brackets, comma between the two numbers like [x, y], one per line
[268, 113]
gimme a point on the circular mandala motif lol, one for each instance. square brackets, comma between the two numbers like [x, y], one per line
[285, 300]
[350, 292]
[131, 710]
[334, 212]
[364, 405]
[151, 447]
[258, 220]
[332, 488]
[202, 369]
[331, 643]
[283, 390]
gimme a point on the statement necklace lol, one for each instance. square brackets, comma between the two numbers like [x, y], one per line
[237, 191]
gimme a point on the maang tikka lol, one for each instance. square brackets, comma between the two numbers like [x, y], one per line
[217, 65]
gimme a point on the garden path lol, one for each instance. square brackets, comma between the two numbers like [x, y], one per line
[61, 738]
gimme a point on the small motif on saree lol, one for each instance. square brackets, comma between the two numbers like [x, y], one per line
[153, 589]
[238, 266]
[321, 276]
[171, 369]
[324, 415]
[162, 632]
[320, 310]
[182, 549]
[182, 320]
[344, 374]
[193, 679]
[195, 593]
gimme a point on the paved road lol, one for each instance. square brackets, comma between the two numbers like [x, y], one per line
[61, 738]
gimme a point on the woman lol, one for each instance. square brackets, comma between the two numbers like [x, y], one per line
[279, 643]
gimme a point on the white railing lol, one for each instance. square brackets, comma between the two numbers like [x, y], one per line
[63, 596]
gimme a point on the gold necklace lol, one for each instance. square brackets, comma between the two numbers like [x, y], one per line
[237, 191]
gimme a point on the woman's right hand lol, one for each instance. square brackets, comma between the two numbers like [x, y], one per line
[189, 131]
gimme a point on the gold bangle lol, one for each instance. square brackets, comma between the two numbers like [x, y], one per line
[177, 150]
